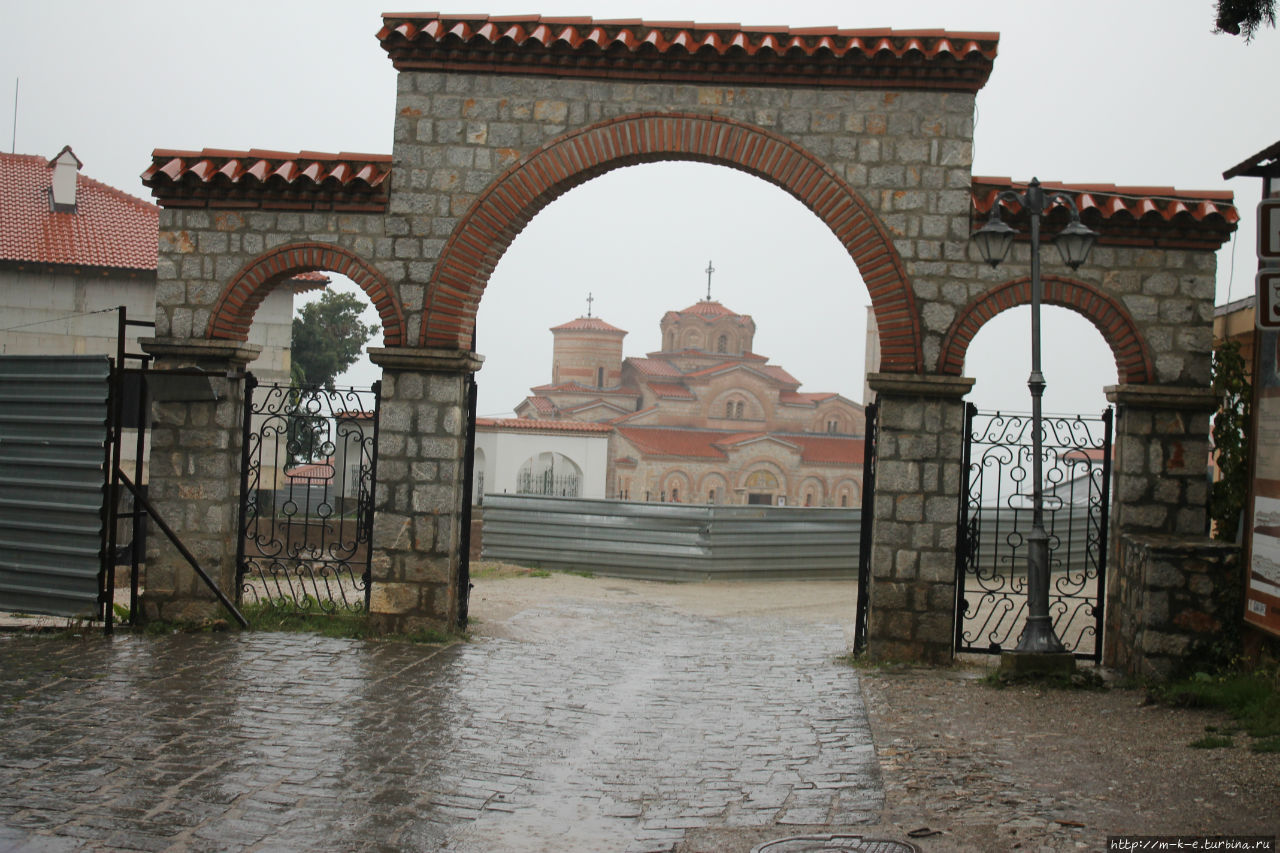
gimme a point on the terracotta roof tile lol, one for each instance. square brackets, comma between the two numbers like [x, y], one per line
[305, 180]
[687, 51]
[543, 426]
[709, 310]
[671, 391]
[654, 367]
[688, 443]
[108, 229]
[1125, 216]
[588, 324]
[828, 449]
[541, 404]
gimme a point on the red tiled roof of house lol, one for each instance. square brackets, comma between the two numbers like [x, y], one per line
[779, 374]
[270, 180]
[588, 324]
[711, 444]
[109, 229]
[312, 471]
[1123, 216]
[687, 51]
[543, 426]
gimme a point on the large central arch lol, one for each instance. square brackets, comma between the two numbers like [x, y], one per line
[502, 211]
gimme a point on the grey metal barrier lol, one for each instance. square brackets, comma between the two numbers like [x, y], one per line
[669, 541]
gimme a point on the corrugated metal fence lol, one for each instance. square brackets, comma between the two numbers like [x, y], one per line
[666, 541]
[53, 430]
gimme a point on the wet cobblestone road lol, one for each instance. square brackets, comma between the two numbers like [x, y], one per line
[606, 727]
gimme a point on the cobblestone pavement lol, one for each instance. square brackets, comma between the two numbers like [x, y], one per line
[606, 727]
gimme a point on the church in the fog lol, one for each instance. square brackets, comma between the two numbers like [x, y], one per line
[704, 419]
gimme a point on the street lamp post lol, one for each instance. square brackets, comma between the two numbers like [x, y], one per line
[1074, 243]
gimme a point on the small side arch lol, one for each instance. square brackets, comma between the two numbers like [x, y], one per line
[1113, 322]
[239, 300]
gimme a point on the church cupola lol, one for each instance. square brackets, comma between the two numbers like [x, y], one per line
[588, 352]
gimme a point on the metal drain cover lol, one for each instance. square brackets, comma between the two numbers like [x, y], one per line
[834, 844]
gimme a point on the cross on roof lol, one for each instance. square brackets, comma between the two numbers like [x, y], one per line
[590, 299]
[709, 270]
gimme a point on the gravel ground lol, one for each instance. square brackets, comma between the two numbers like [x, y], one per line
[965, 765]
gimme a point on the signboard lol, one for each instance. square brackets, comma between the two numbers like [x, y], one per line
[1262, 593]
[1269, 229]
[1267, 285]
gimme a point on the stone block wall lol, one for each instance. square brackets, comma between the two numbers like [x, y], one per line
[1172, 603]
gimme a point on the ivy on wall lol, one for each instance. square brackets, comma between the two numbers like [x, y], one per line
[1230, 440]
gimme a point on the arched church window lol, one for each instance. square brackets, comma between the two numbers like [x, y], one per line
[738, 410]
[728, 409]
[722, 344]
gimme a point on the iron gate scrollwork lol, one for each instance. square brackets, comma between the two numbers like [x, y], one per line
[995, 518]
[306, 497]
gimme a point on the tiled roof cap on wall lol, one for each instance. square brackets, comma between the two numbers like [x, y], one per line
[108, 229]
[270, 180]
[686, 51]
[1124, 216]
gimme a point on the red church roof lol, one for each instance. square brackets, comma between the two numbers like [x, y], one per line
[712, 444]
[588, 324]
[108, 229]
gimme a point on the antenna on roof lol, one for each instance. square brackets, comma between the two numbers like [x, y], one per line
[13, 143]
[590, 299]
[709, 270]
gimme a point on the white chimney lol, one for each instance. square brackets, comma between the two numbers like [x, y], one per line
[65, 166]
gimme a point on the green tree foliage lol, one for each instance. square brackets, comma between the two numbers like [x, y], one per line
[1230, 439]
[1244, 17]
[328, 337]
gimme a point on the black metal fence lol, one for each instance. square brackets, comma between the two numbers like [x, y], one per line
[995, 517]
[306, 505]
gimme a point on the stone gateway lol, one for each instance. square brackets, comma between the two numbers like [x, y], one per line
[495, 118]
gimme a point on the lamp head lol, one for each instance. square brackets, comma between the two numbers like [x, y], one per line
[1075, 242]
[994, 239]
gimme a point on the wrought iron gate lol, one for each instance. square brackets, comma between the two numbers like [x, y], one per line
[995, 518]
[864, 532]
[306, 497]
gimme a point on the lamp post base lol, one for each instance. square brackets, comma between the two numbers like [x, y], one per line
[1017, 664]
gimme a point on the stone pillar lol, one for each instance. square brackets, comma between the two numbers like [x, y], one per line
[1165, 573]
[418, 508]
[1161, 458]
[919, 448]
[194, 472]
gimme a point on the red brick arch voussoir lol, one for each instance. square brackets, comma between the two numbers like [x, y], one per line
[239, 301]
[495, 218]
[1133, 359]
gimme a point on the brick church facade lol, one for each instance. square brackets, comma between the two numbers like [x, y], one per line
[704, 419]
